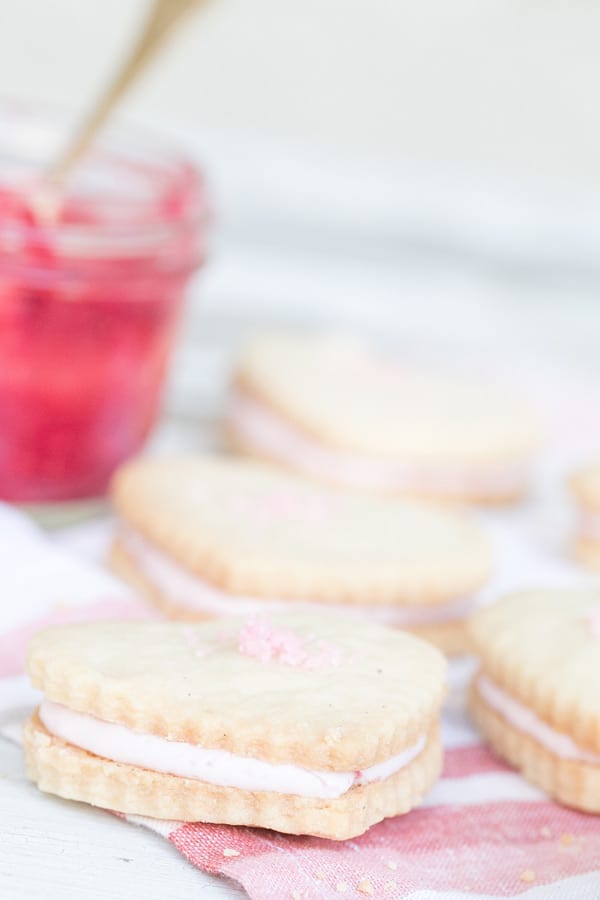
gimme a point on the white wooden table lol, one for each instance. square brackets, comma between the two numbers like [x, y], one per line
[51, 848]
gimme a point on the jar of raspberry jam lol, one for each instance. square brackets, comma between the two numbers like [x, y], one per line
[91, 291]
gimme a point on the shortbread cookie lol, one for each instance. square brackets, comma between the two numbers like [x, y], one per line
[303, 724]
[332, 409]
[217, 536]
[585, 488]
[536, 696]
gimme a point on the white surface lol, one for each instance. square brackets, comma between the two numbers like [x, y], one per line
[52, 849]
[56, 580]
[487, 83]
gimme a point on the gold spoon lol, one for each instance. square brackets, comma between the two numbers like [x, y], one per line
[162, 18]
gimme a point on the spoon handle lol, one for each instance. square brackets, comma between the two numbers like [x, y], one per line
[163, 16]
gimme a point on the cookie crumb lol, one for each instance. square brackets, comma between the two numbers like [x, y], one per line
[390, 886]
[566, 839]
[392, 865]
[545, 832]
[365, 887]
[296, 895]
[528, 875]
[320, 874]
[341, 887]
[229, 851]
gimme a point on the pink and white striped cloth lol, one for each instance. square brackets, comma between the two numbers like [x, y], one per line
[482, 833]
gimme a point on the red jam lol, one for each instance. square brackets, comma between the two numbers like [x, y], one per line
[90, 298]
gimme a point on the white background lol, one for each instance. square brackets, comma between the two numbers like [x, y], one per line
[506, 85]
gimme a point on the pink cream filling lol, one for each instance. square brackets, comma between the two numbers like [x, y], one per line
[192, 592]
[150, 751]
[263, 429]
[525, 720]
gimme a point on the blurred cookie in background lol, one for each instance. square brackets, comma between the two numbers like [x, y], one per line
[536, 696]
[332, 408]
[585, 489]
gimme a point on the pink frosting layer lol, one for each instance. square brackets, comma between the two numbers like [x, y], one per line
[263, 429]
[524, 719]
[192, 592]
[151, 751]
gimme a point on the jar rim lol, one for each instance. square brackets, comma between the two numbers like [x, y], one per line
[134, 191]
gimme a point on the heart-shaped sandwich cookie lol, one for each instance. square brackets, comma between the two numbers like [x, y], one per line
[536, 696]
[339, 411]
[303, 724]
[218, 536]
[585, 488]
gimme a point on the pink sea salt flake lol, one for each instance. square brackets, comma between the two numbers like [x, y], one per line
[593, 620]
[267, 643]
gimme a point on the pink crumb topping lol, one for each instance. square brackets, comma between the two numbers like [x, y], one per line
[593, 620]
[284, 505]
[265, 642]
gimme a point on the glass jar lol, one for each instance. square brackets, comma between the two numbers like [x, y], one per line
[90, 297]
